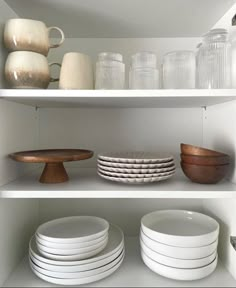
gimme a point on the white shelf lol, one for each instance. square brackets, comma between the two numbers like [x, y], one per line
[132, 273]
[120, 98]
[85, 183]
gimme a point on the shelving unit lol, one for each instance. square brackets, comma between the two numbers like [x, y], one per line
[85, 183]
[132, 273]
[152, 120]
[119, 98]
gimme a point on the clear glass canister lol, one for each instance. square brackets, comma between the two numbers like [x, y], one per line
[143, 71]
[232, 34]
[110, 71]
[214, 61]
[179, 70]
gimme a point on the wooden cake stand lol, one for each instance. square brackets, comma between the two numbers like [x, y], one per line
[54, 170]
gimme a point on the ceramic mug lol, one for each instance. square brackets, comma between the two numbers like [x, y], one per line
[28, 70]
[29, 35]
[76, 72]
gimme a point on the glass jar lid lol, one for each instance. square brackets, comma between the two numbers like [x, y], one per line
[144, 59]
[110, 56]
[216, 35]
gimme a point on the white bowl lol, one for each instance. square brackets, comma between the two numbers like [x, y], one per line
[180, 228]
[68, 252]
[179, 274]
[78, 245]
[80, 281]
[73, 229]
[179, 252]
[177, 263]
[77, 275]
[115, 243]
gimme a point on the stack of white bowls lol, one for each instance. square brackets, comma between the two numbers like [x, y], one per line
[76, 250]
[180, 245]
[135, 167]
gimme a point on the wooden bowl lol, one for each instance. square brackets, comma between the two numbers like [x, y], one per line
[205, 160]
[187, 149]
[205, 174]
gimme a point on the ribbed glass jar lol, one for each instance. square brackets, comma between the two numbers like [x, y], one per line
[214, 61]
[143, 71]
[110, 71]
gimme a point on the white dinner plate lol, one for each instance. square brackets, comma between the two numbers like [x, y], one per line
[135, 180]
[126, 175]
[77, 275]
[70, 245]
[179, 252]
[69, 252]
[115, 243]
[76, 268]
[81, 281]
[136, 171]
[180, 228]
[74, 257]
[136, 157]
[179, 274]
[73, 229]
[177, 263]
[135, 166]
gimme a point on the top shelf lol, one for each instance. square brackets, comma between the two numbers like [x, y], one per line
[120, 98]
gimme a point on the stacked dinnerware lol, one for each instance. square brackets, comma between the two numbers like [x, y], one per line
[180, 245]
[202, 165]
[76, 250]
[135, 167]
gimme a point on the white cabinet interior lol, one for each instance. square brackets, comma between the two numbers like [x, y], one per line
[108, 121]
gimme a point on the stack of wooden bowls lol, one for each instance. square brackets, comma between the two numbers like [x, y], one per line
[202, 165]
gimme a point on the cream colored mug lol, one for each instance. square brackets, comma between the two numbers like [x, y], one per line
[28, 70]
[29, 35]
[76, 72]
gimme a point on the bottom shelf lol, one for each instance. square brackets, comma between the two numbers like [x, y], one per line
[133, 273]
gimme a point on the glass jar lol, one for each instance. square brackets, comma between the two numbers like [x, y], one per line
[179, 70]
[110, 71]
[214, 61]
[143, 71]
[232, 33]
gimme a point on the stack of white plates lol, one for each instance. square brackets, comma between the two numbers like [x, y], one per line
[180, 245]
[135, 167]
[76, 250]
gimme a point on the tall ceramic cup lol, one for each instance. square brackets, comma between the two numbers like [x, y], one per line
[29, 35]
[28, 70]
[76, 72]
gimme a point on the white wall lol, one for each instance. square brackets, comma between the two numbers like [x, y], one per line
[18, 221]
[120, 129]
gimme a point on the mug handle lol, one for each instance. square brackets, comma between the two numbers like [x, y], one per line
[62, 36]
[54, 79]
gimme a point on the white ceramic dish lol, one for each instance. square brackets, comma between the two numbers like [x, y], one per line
[179, 252]
[180, 228]
[135, 166]
[136, 171]
[177, 263]
[76, 268]
[179, 274]
[77, 275]
[69, 252]
[70, 245]
[74, 257]
[135, 180]
[126, 175]
[115, 243]
[73, 229]
[81, 281]
[137, 157]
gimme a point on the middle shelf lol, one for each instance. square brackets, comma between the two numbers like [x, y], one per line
[85, 183]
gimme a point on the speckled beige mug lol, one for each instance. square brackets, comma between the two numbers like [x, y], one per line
[29, 35]
[28, 70]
